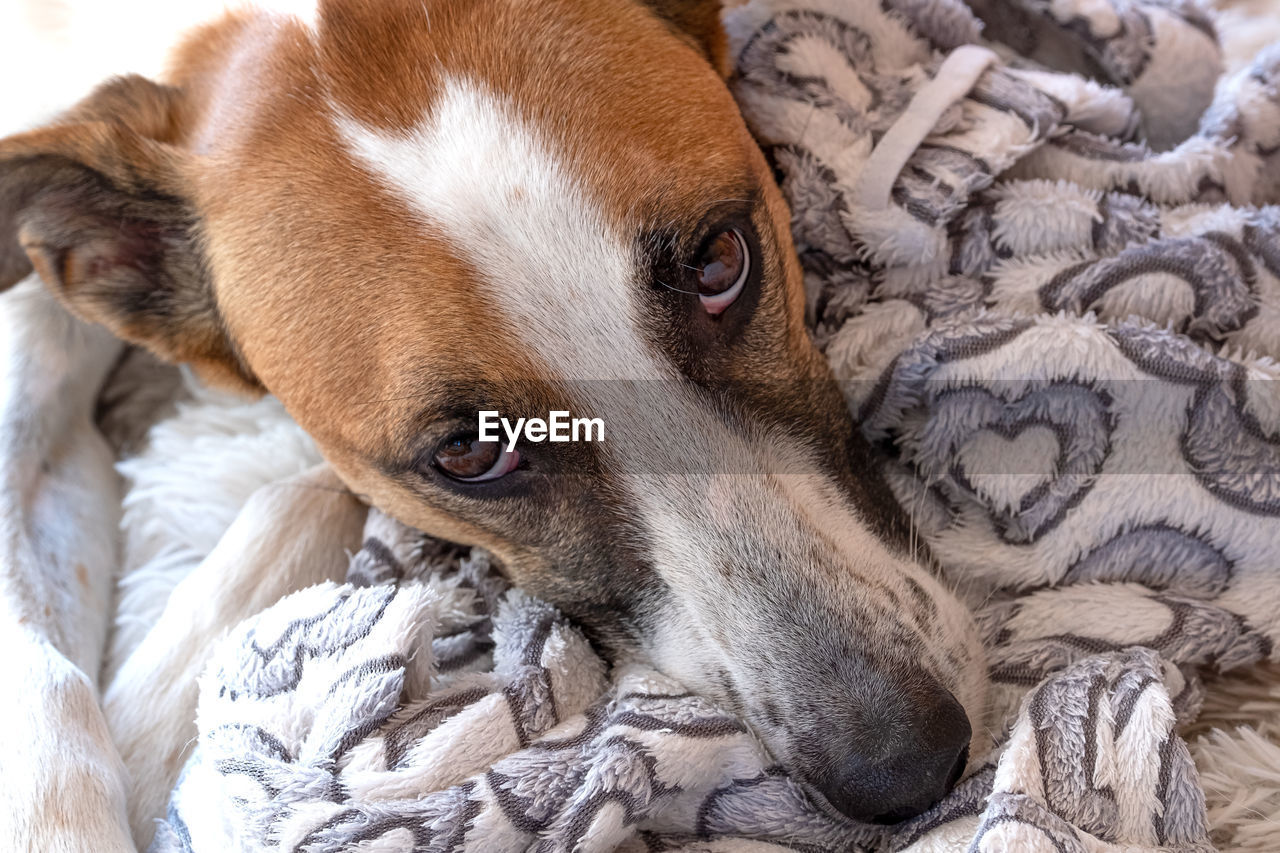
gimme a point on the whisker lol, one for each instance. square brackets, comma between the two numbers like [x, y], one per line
[676, 289]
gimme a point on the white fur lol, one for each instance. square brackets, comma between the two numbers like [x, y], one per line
[558, 272]
[63, 781]
[228, 448]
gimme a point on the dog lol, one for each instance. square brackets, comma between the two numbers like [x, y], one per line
[392, 216]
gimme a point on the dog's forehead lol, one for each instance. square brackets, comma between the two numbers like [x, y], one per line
[632, 104]
[488, 183]
[555, 267]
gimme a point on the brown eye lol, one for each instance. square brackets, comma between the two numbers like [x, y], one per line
[470, 459]
[722, 270]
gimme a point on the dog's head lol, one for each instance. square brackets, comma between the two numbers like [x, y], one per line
[402, 213]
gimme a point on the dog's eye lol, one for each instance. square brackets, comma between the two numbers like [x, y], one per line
[471, 460]
[723, 270]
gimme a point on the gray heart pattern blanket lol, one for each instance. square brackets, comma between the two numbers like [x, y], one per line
[1039, 254]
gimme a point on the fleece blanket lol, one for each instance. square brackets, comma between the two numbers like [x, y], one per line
[1039, 254]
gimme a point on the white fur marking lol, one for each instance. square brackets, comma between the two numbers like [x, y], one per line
[477, 174]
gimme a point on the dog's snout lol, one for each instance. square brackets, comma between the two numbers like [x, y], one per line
[890, 776]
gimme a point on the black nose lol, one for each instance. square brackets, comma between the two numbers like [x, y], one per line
[917, 756]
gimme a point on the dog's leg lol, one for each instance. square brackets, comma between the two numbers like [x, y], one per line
[290, 535]
[59, 513]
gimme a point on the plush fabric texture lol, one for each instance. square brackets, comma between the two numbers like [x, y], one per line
[1058, 321]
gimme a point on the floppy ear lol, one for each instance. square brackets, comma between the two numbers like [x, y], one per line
[699, 21]
[98, 204]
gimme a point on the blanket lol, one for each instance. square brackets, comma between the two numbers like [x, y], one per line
[1039, 256]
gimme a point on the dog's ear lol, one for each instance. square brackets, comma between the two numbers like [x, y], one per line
[99, 205]
[698, 21]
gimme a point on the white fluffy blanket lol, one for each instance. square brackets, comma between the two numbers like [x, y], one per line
[1062, 339]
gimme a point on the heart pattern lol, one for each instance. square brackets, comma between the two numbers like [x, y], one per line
[1076, 415]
